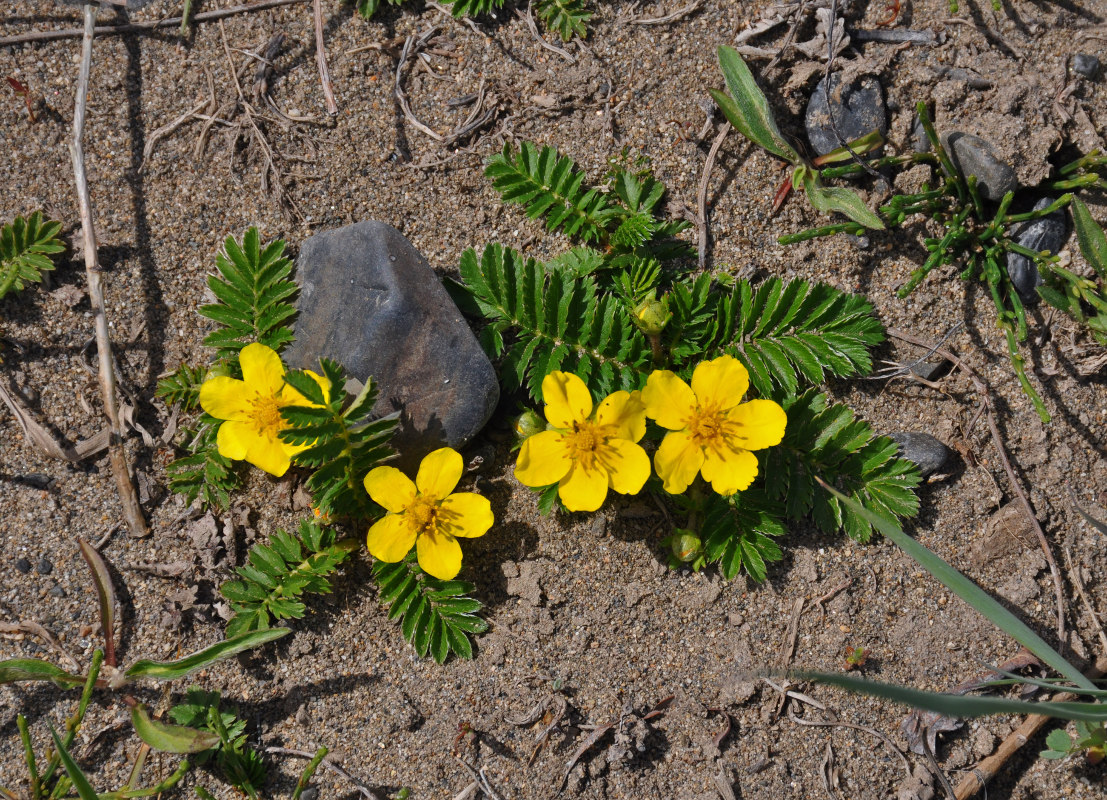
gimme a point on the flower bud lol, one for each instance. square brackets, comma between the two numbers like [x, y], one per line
[686, 546]
[528, 424]
[651, 316]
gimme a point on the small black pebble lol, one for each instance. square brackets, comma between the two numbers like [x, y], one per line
[57, 591]
[922, 448]
[23, 565]
[932, 370]
[1086, 64]
[44, 567]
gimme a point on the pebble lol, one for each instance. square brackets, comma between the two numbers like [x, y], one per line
[858, 109]
[932, 370]
[370, 301]
[920, 142]
[922, 448]
[23, 565]
[1085, 64]
[1048, 233]
[57, 591]
[974, 156]
[44, 567]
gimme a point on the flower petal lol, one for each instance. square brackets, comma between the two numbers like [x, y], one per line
[233, 438]
[583, 489]
[390, 538]
[390, 488]
[668, 399]
[226, 398]
[465, 514]
[268, 453]
[760, 423]
[677, 461]
[729, 471]
[628, 466]
[567, 399]
[439, 555]
[627, 412]
[720, 383]
[439, 473]
[544, 459]
[262, 369]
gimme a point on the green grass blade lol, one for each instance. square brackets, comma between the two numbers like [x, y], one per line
[172, 670]
[80, 782]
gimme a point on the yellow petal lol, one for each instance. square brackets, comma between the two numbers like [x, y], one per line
[231, 439]
[292, 397]
[583, 489]
[627, 412]
[720, 383]
[226, 398]
[267, 453]
[668, 399]
[628, 466]
[677, 461]
[390, 488]
[567, 399]
[760, 424]
[390, 539]
[262, 369]
[465, 514]
[544, 459]
[439, 555]
[439, 473]
[729, 471]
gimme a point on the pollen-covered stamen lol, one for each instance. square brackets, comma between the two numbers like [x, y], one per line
[266, 415]
[709, 426]
[423, 515]
[583, 443]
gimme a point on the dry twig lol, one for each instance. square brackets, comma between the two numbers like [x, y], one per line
[528, 17]
[327, 763]
[672, 17]
[139, 27]
[321, 58]
[128, 498]
[702, 235]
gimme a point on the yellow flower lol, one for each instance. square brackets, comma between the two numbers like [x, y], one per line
[586, 453]
[251, 408]
[711, 432]
[425, 514]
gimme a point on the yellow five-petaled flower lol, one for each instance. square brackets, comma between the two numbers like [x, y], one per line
[251, 410]
[586, 453]
[426, 514]
[710, 430]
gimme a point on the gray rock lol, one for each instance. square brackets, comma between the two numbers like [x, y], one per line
[23, 565]
[858, 109]
[44, 567]
[932, 370]
[57, 591]
[922, 448]
[1085, 64]
[371, 302]
[1048, 233]
[974, 156]
[920, 142]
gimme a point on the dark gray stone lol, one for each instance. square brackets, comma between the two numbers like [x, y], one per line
[1048, 233]
[974, 156]
[920, 142]
[23, 565]
[371, 302]
[1085, 64]
[932, 370]
[858, 109]
[57, 591]
[922, 448]
[44, 567]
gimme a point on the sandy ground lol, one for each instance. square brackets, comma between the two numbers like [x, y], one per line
[582, 607]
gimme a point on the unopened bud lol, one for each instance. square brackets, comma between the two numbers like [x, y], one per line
[528, 424]
[652, 316]
[686, 546]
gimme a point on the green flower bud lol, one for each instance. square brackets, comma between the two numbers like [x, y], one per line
[686, 546]
[652, 316]
[528, 424]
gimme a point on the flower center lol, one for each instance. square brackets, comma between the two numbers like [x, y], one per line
[267, 416]
[583, 442]
[423, 515]
[708, 426]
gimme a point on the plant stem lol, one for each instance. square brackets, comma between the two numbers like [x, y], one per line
[29, 756]
[73, 724]
[309, 772]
